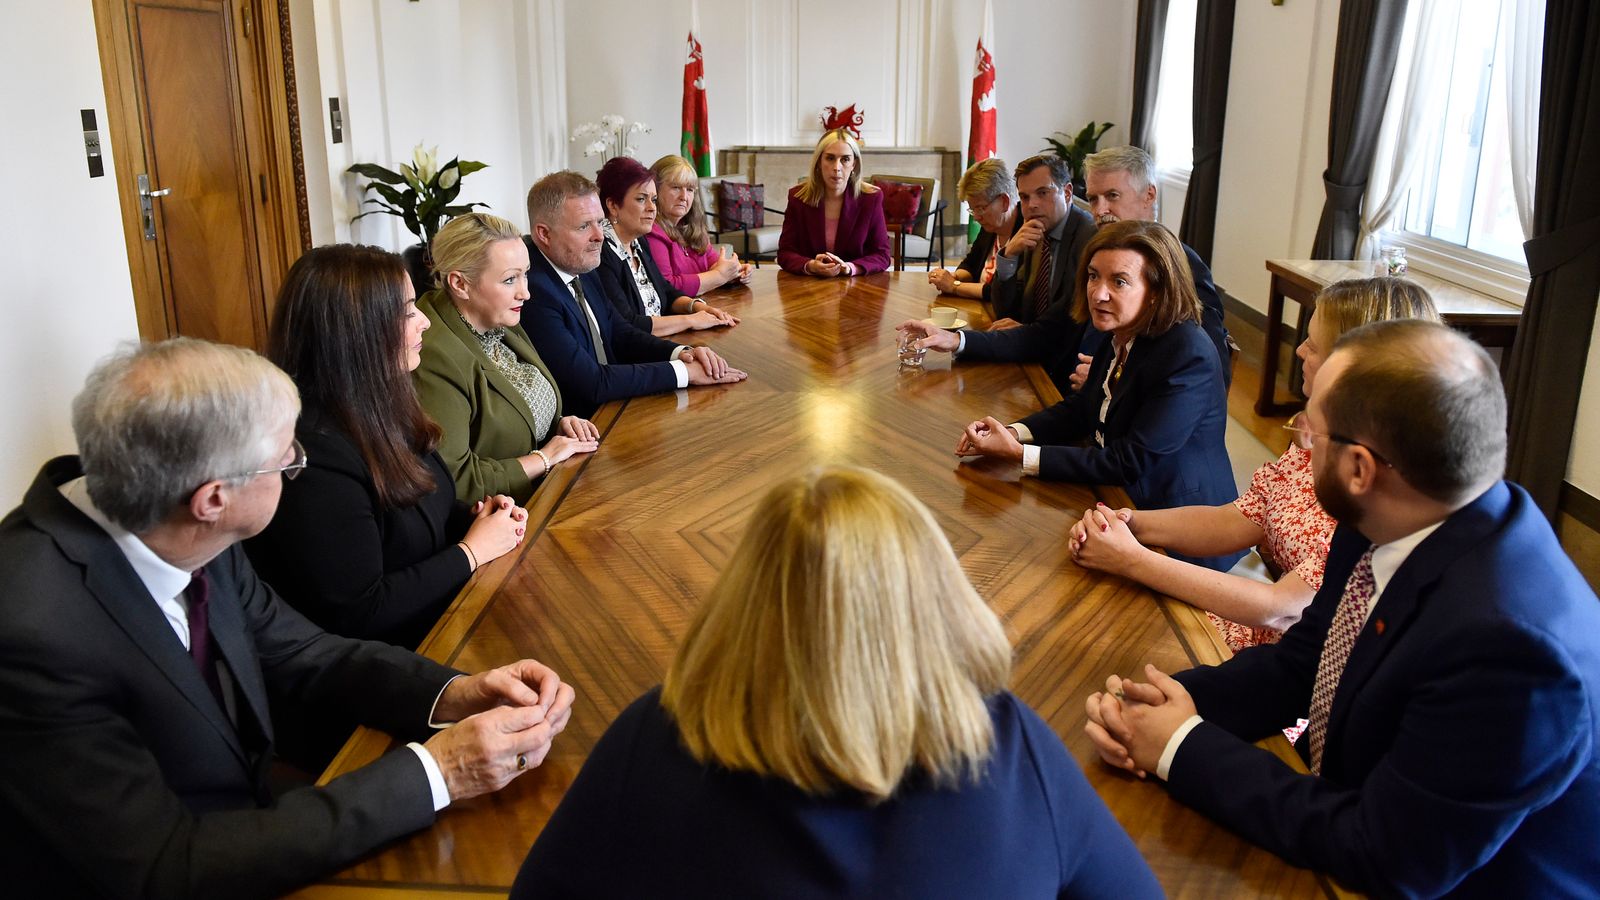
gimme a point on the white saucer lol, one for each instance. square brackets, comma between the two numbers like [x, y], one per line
[959, 323]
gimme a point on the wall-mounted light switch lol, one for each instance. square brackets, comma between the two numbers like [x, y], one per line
[91, 143]
[335, 120]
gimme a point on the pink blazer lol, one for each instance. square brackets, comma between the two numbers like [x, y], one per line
[862, 238]
[678, 265]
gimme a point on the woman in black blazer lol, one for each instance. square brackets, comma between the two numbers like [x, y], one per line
[369, 541]
[835, 723]
[634, 284]
[1151, 415]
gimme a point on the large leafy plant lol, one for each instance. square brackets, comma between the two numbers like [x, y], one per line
[422, 193]
[1073, 149]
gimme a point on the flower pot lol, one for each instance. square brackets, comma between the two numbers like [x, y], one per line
[419, 263]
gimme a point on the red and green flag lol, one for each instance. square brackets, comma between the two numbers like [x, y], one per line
[981, 139]
[695, 145]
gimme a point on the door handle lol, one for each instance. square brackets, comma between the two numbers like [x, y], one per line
[147, 211]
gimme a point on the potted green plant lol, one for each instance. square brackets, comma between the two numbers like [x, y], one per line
[422, 194]
[1074, 149]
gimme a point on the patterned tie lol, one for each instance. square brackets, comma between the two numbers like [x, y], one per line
[199, 596]
[588, 316]
[1041, 278]
[1348, 621]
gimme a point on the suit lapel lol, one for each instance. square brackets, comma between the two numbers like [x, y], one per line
[227, 631]
[816, 225]
[1402, 598]
[110, 578]
[443, 313]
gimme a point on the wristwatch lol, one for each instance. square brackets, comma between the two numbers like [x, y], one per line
[955, 285]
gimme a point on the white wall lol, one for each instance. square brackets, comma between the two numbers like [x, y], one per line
[68, 298]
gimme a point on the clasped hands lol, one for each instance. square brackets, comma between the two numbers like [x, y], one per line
[827, 265]
[1104, 540]
[1130, 722]
[504, 720]
[989, 437]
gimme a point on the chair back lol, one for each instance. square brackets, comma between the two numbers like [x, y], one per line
[708, 198]
[923, 226]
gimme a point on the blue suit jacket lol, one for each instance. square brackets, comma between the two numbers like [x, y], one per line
[560, 332]
[1461, 746]
[1163, 432]
[1055, 340]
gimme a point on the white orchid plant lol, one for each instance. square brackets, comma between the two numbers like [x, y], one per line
[609, 137]
[422, 193]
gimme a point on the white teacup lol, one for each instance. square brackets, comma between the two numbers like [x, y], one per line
[944, 316]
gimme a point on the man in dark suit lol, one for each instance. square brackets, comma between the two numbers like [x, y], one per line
[143, 666]
[1449, 667]
[594, 353]
[1119, 184]
[1033, 275]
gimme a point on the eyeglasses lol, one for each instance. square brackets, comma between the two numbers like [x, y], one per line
[1311, 438]
[291, 471]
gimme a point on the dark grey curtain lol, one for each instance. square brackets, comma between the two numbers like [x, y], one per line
[1213, 56]
[1363, 67]
[1150, 30]
[1547, 360]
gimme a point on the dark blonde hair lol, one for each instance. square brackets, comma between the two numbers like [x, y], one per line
[1170, 296]
[842, 647]
[690, 231]
[811, 191]
[1345, 305]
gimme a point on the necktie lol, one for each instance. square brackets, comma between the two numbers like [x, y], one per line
[588, 316]
[1348, 621]
[199, 596]
[1041, 278]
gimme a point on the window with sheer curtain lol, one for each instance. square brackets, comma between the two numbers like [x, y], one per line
[1173, 130]
[1452, 178]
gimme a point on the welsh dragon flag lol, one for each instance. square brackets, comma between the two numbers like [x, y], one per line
[695, 145]
[981, 142]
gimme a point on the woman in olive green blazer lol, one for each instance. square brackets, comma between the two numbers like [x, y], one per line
[480, 377]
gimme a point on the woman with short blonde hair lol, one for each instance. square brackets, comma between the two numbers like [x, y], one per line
[481, 378]
[835, 713]
[834, 225]
[990, 192]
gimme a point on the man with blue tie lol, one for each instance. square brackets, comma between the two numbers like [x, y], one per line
[594, 353]
[1449, 667]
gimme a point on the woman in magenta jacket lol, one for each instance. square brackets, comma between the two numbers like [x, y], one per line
[834, 224]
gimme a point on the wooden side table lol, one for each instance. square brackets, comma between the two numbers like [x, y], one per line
[1489, 321]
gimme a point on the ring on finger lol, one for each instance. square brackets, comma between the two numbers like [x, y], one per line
[522, 761]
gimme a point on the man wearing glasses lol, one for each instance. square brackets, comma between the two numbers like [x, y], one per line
[143, 665]
[1449, 667]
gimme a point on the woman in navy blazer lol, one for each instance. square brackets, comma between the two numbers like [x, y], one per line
[835, 723]
[834, 223]
[1150, 417]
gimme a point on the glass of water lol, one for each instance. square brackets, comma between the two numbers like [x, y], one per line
[910, 354]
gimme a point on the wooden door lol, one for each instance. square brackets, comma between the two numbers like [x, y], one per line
[204, 156]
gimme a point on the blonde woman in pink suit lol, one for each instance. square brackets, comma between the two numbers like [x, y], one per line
[679, 241]
[834, 223]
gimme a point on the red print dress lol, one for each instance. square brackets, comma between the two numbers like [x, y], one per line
[1282, 501]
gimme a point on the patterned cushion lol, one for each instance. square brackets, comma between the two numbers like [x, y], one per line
[740, 204]
[901, 201]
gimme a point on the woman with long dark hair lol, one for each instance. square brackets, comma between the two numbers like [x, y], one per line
[370, 540]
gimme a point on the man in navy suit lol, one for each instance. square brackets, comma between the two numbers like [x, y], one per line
[594, 353]
[1449, 667]
[1119, 184]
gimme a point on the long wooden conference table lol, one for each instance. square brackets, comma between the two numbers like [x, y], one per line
[623, 543]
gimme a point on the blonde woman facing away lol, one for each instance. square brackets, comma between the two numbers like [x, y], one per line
[1279, 513]
[835, 723]
[480, 377]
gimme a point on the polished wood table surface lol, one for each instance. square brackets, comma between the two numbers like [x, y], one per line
[622, 545]
[1487, 320]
